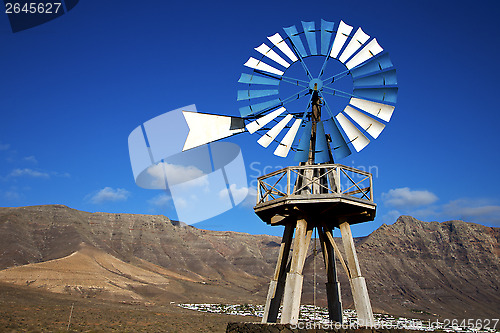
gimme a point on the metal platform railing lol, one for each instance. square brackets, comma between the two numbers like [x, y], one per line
[318, 180]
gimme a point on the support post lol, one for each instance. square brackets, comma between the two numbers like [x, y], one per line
[294, 279]
[358, 283]
[277, 284]
[332, 284]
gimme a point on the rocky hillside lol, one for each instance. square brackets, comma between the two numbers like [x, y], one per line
[448, 269]
[227, 264]
[451, 267]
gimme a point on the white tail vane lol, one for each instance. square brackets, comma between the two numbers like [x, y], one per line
[262, 121]
[382, 111]
[340, 38]
[371, 49]
[357, 40]
[278, 41]
[205, 128]
[285, 145]
[256, 64]
[358, 140]
[370, 125]
[267, 138]
[266, 50]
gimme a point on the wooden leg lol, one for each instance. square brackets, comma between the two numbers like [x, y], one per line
[277, 284]
[358, 283]
[294, 279]
[332, 285]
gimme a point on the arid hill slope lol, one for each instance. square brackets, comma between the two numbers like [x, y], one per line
[450, 269]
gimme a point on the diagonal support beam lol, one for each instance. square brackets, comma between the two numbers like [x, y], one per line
[294, 278]
[277, 284]
[329, 235]
[358, 283]
[332, 284]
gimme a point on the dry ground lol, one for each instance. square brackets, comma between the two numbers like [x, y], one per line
[23, 309]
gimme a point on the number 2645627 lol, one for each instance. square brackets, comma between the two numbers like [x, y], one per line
[32, 8]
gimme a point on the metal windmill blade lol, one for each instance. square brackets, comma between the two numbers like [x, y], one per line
[270, 111]
[371, 98]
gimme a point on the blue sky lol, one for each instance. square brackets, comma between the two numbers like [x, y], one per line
[74, 88]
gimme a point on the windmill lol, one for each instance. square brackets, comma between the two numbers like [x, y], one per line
[316, 194]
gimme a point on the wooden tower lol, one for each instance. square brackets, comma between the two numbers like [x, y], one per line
[322, 196]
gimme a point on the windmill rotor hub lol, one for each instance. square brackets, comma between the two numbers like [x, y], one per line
[316, 84]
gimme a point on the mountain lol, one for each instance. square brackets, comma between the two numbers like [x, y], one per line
[202, 265]
[413, 268]
[447, 268]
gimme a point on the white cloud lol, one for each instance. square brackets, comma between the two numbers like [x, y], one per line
[28, 172]
[247, 196]
[176, 174]
[432, 212]
[238, 194]
[180, 203]
[59, 174]
[473, 210]
[11, 195]
[405, 197]
[4, 146]
[391, 216]
[161, 200]
[109, 194]
[31, 159]
[251, 199]
[478, 210]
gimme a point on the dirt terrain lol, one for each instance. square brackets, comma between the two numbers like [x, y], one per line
[24, 309]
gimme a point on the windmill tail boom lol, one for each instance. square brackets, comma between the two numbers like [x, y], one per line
[205, 128]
